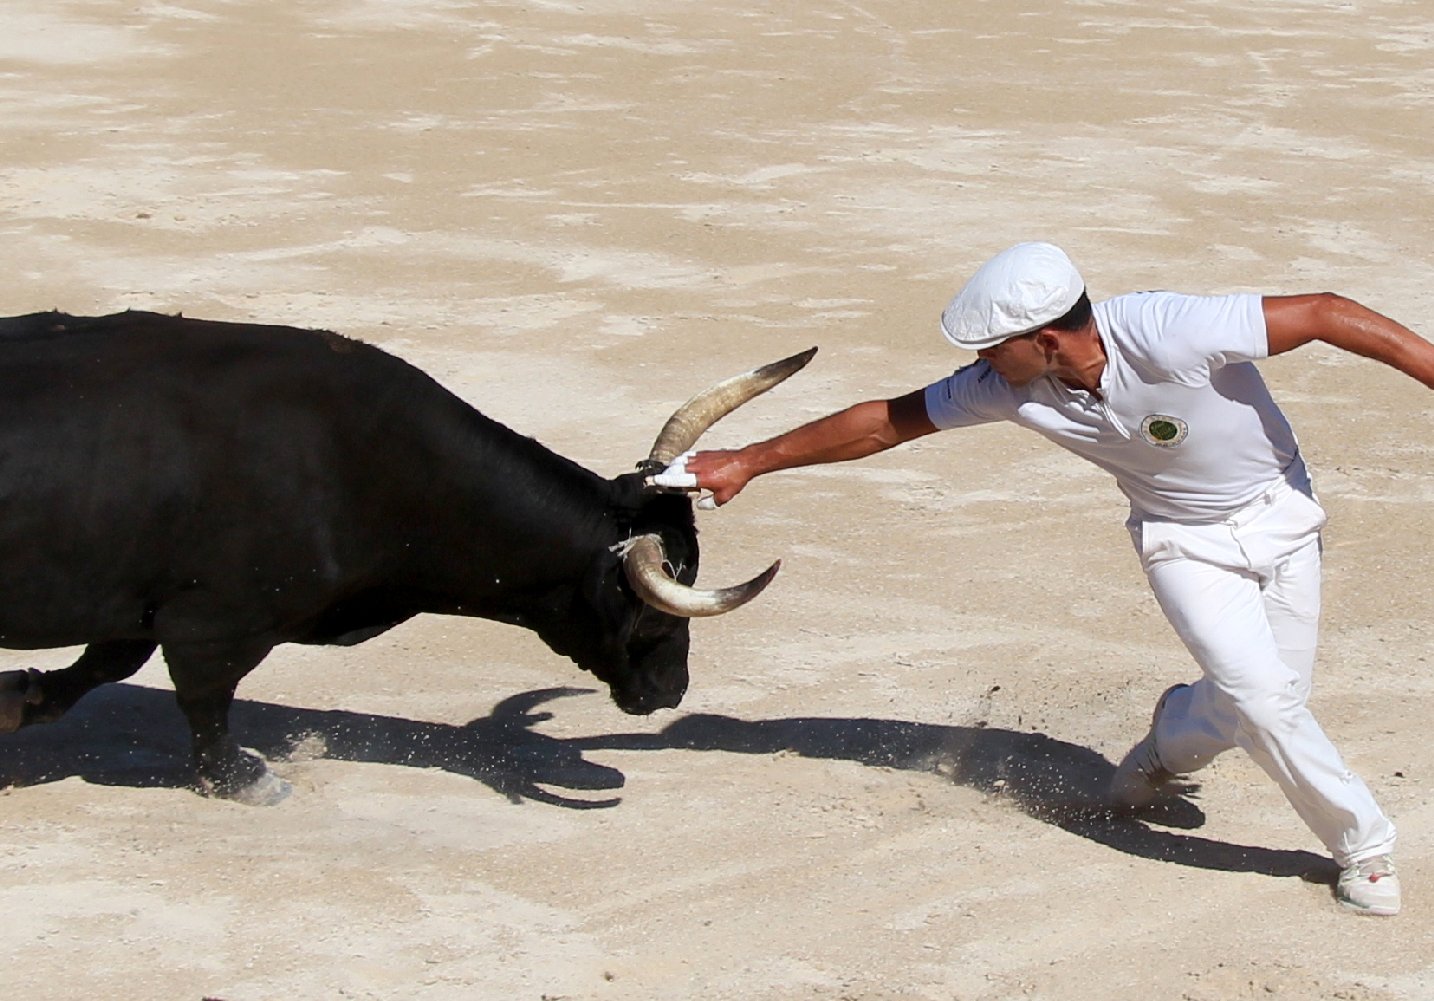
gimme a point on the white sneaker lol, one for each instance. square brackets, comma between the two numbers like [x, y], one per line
[1370, 887]
[1140, 778]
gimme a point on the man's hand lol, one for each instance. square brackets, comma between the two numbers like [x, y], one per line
[720, 472]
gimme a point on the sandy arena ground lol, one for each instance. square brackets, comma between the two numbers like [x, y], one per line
[575, 214]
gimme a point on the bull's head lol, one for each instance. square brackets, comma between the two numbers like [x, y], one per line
[645, 658]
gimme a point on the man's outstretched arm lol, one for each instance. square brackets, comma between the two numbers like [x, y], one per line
[1293, 320]
[853, 433]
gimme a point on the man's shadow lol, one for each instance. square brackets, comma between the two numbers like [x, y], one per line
[125, 734]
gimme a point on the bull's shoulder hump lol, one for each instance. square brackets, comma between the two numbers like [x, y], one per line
[56, 355]
[54, 336]
[140, 325]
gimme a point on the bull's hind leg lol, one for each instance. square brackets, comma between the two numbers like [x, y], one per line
[205, 676]
[41, 696]
[19, 692]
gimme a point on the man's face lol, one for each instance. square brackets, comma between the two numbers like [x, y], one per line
[1019, 360]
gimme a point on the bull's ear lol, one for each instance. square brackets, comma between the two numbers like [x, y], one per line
[648, 510]
[629, 491]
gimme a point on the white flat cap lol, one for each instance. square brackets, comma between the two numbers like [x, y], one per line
[1017, 291]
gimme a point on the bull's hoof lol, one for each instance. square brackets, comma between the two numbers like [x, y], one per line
[266, 790]
[251, 783]
[18, 689]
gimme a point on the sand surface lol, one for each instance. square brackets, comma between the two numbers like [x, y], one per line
[575, 214]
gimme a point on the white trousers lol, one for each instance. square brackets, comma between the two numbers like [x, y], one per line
[1244, 596]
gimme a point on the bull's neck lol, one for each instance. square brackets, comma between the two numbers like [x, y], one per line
[519, 516]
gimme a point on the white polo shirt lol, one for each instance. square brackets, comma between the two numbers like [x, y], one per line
[1184, 421]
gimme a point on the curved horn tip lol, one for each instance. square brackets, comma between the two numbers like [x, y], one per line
[766, 575]
[807, 355]
[788, 366]
[759, 583]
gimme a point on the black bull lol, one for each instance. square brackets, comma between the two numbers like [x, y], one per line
[216, 489]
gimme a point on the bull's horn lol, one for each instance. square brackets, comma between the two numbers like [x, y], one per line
[712, 404]
[643, 559]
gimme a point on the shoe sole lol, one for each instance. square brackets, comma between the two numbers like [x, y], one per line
[1373, 912]
[1370, 912]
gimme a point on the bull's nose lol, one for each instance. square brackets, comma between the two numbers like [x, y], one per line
[645, 703]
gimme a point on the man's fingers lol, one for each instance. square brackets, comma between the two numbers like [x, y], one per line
[670, 480]
[676, 476]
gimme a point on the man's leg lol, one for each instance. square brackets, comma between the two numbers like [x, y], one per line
[1251, 696]
[1198, 722]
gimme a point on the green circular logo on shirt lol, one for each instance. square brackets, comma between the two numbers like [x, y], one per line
[1163, 431]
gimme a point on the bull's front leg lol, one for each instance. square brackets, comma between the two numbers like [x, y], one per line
[33, 696]
[223, 768]
[205, 677]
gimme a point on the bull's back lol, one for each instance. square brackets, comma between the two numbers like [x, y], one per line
[150, 461]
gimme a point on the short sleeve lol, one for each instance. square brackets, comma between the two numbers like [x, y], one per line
[971, 395]
[1192, 333]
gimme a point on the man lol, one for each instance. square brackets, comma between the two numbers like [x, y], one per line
[1160, 389]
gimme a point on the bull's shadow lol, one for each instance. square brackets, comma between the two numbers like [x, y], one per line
[130, 735]
[122, 734]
